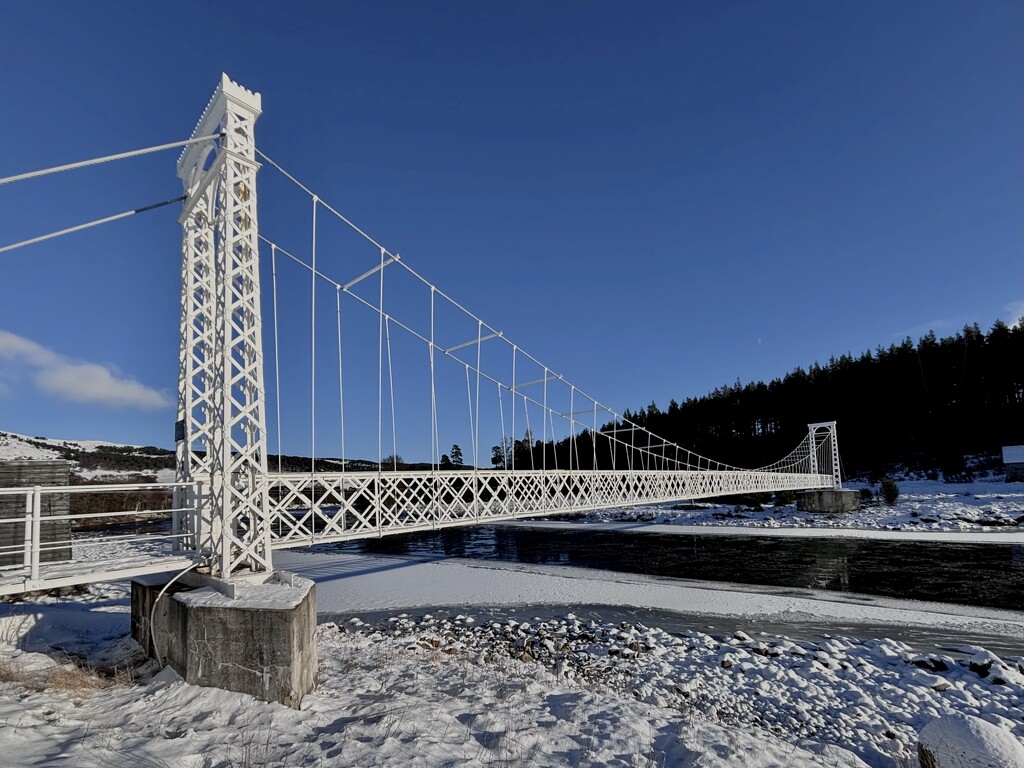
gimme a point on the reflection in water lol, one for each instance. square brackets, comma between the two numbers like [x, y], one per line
[989, 575]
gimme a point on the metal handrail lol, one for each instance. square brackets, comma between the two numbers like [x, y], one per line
[34, 548]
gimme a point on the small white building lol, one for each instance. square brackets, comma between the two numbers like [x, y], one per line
[1013, 461]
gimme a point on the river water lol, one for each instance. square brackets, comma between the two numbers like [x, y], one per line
[988, 575]
[984, 575]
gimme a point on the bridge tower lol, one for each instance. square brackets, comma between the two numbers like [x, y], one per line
[254, 631]
[220, 433]
[824, 434]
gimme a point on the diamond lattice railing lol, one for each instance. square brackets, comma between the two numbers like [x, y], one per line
[319, 508]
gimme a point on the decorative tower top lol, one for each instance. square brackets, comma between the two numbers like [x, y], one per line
[193, 157]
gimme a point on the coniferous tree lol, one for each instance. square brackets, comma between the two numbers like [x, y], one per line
[456, 455]
[923, 405]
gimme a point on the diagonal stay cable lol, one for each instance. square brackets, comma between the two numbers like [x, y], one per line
[106, 159]
[90, 224]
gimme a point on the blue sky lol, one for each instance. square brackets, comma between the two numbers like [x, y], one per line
[653, 199]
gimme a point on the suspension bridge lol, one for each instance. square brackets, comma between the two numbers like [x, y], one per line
[389, 353]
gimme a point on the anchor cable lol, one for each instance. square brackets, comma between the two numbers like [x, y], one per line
[90, 224]
[106, 159]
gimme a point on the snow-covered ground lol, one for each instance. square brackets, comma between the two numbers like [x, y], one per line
[15, 446]
[424, 690]
[923, 505]
[381, 701]
[124, 475]
[363, 583]
[496, 686]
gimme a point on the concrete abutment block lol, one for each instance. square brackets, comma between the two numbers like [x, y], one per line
[828, 500]
[262, 641]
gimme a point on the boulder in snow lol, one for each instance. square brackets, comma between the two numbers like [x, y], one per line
[962, 741]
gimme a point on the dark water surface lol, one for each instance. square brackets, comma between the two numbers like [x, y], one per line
[989, 575]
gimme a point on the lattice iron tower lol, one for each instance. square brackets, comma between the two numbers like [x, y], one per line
[823, 435]
[220, 435]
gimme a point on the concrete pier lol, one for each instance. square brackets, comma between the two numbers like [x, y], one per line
[828, 500]
[254, 636]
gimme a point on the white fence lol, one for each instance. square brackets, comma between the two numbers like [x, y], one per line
[138, 531]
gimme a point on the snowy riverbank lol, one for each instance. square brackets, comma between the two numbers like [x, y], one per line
[992, 506]
[431, 690]
[764, 676]
[350, 584]
[381, 701]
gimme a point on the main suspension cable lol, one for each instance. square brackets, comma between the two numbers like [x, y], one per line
[692, 461]
[388, 258]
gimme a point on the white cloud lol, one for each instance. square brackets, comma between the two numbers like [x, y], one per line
[13, 347]
[76, 381]
[92, 383]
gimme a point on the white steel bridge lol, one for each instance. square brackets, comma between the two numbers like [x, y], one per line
[230, 508]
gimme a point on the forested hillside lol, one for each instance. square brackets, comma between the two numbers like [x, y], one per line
[924, 405]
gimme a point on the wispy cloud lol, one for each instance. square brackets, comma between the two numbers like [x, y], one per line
[13, 347]
[940, 326]
[1013, 312]
[77, 381]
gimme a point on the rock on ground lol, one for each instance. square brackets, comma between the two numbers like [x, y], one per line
[962, 741]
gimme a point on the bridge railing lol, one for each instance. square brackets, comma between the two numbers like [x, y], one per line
[53, 536]
[309, 508]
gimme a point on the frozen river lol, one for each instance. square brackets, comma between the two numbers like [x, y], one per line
[984, 575]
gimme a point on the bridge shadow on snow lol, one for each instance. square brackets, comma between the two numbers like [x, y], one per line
[339, 568]
[74, 628]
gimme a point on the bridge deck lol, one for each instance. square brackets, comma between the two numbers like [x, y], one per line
[52, 575]
[308, 508]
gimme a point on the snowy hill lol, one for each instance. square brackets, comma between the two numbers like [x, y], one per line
[100, 461]
[94, 460]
